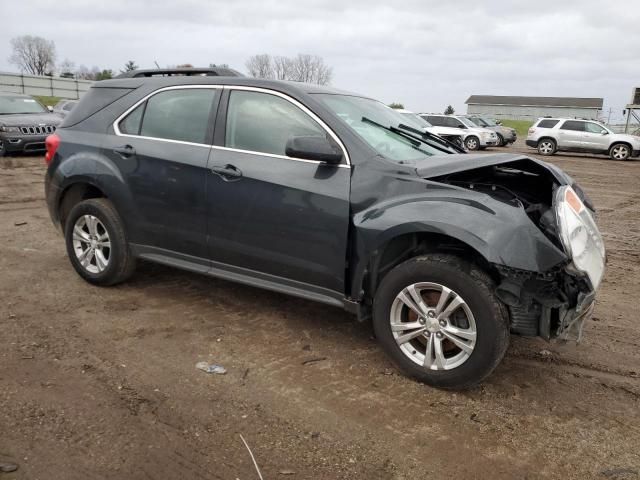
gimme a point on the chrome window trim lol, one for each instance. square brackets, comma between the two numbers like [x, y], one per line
[317, 119]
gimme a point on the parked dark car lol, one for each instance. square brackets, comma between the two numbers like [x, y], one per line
[323, 194]
[24, 124]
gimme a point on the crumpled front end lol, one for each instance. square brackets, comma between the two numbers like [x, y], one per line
[554, 301]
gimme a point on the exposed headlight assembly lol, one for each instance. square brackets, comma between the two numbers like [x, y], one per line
[579, 235]
[9, 129]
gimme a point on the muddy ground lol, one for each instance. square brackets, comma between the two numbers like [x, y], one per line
[100, 382]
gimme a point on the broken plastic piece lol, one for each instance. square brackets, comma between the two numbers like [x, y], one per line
[211, 368]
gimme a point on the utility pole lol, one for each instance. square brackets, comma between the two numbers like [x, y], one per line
[609, 117]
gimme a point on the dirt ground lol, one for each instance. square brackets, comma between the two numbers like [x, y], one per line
[100, 383]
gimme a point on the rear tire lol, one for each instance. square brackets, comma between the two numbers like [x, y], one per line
[472, 143]
[547, 146]
[620, 151]
[470, 312]
[97, 243]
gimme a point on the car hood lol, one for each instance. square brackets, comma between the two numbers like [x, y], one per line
[626, 137]
[26, 119]
[439, 165]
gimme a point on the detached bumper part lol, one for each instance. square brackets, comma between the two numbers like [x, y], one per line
[554, 305]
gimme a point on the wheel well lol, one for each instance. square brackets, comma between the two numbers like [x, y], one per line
[621, 142]
[403, 247]
[75, 194]
[541, 139]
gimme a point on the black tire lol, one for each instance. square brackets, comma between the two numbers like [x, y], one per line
[472, 143]
[620, 151]
[3, 150]
[475, 287]
[501, 142]
[547, 146]
[121, 262]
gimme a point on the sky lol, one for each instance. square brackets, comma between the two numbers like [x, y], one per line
[424, 54]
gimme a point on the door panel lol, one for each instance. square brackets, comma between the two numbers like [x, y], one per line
[593, 138]
[283, 217]
[571, 135]
[167, 184]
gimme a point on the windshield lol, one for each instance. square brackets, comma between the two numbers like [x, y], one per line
[11, 105]
[488, 121]
[467, 122]
[374, 122]
[415, 120]
[480, 122]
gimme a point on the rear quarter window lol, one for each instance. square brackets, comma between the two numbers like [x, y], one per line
[92, 102]
[547, 123]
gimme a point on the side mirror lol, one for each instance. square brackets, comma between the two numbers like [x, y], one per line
[50, 108]
[498, 122]
[461, 126]
[604, 132]
[313, 148]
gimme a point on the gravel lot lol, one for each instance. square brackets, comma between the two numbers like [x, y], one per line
[100, 382]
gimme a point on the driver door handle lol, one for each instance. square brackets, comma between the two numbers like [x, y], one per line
[228, 173]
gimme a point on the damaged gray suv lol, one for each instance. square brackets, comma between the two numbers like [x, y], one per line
[328, 196]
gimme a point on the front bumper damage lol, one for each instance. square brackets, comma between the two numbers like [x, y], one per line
[553, 305]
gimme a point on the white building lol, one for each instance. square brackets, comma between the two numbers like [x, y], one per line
[531, 108]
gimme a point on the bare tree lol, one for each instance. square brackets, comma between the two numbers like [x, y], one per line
[260, 66]
[282, 68]
[310, 69]
[66, 68]
[33, 55]
[301, 68]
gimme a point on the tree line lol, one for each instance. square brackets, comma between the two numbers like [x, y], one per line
[37, 56]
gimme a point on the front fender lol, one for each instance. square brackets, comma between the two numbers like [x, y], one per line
[501, 233]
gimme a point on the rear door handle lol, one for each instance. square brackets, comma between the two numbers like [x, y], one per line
[229, 173]
[125, 151]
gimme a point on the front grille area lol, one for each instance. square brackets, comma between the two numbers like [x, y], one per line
[38, 130]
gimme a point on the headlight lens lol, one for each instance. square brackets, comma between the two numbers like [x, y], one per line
[580, 235]
[9, 129]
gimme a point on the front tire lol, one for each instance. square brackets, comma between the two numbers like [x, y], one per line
[619, 151]
[439, 320]
[501, 142]
[97, 243]
[472, 143]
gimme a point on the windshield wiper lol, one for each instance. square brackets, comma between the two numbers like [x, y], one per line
[432, 136]
[416, 142]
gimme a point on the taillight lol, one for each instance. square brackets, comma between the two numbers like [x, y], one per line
[51, 143]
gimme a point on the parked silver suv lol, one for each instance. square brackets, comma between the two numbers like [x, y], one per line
[550, 135]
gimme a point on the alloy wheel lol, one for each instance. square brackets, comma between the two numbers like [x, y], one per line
[91, 244]
[472, 144]
[433, 326]
[620, 152]
[546, 148]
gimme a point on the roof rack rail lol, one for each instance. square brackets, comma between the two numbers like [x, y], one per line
[188, 72]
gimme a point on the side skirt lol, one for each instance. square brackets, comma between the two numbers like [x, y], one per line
[241, 275]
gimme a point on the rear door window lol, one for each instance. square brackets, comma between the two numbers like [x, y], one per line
[573, 125]
[547, 123]
[181, 115]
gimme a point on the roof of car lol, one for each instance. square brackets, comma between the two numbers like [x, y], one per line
[535, 101]
[168, 81]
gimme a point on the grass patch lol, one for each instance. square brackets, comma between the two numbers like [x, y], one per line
[521, 126]
[46, 101]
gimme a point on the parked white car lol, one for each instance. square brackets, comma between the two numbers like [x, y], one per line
[454, 135]
[550, 135]
[475, 138]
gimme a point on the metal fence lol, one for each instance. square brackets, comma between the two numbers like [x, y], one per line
[68, 88]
